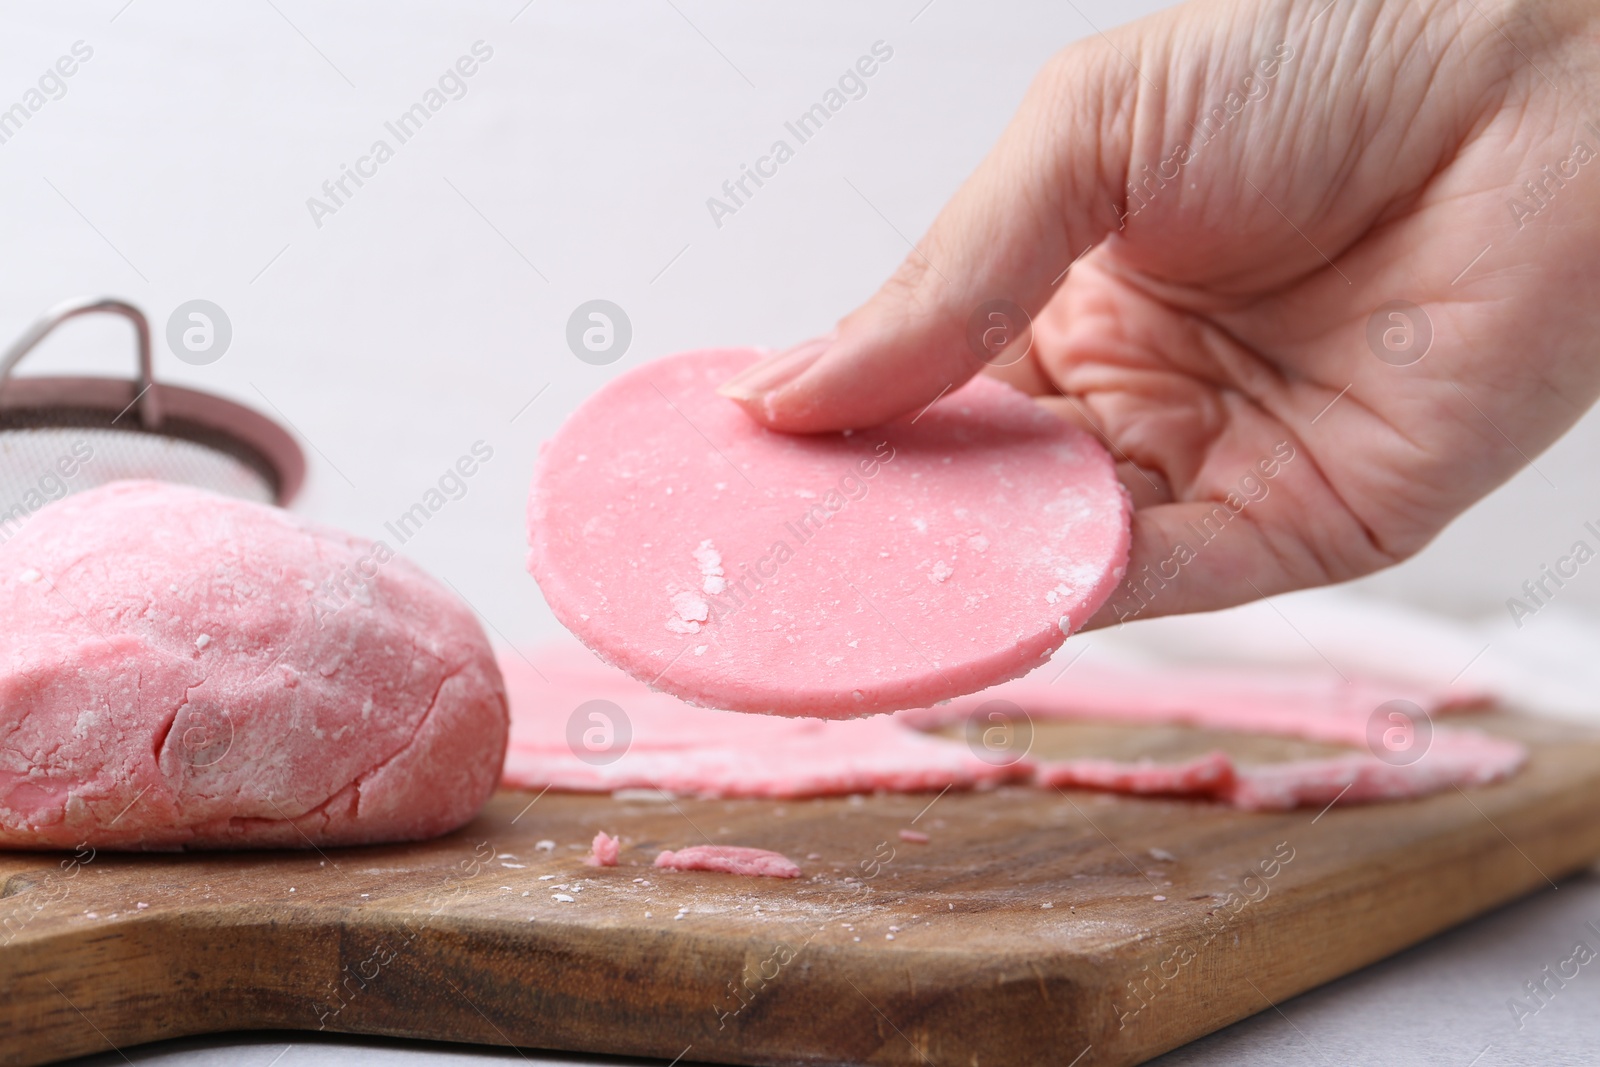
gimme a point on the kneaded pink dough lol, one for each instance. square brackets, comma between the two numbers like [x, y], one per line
[683, 749]
[831, 576]
[177, 671]
[730, 859]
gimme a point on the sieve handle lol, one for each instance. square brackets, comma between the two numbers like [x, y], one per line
[147, 396]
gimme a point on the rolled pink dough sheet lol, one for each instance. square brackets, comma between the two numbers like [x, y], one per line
[185, 670]
[679, 748]
[831, 576]
[669, 745]
[730, 859]
[1263, 701]
[1206, 776]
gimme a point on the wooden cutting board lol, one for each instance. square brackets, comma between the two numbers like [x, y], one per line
[1035, 926]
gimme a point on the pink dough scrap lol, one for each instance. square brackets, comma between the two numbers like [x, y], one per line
[1208, 775]
[185, 670]
[1457, 757]
[730, 859]
[835, 575]
[603, 852]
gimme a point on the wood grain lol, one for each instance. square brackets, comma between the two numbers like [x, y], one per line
[1028, 930]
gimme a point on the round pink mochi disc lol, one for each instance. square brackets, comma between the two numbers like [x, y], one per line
[185, 670]
[835, 575]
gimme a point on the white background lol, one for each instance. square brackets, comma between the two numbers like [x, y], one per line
[415, 321]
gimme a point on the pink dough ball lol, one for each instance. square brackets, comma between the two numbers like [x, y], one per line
[185, 670]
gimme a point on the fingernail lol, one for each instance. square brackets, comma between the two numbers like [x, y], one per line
[774, 372]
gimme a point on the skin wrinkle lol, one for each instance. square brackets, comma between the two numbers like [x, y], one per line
[1385, 555]
[1548, 385]
[1043, 200]
[1394, 429]
[1354, 153]
[1100, 405]
[1150, 107]
[1281, 553]
[1242, 371]
[1407, 43]
[1285, 405]
[1203, 329]
[1113, 170]
[1370, 537]
[1480, 112]
[1356, 230]
[1317, 563]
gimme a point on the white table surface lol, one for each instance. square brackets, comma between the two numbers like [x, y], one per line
[431, 310]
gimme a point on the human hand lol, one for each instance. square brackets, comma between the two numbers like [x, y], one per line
[1257, 180]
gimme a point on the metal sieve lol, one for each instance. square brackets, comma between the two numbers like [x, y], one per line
[61, 435]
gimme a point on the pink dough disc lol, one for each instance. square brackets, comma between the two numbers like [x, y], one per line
[831, 576]
[730, 859]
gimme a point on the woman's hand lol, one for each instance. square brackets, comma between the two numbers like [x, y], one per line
[1339, 278]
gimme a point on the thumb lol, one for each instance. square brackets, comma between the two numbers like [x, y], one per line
[1050, 189]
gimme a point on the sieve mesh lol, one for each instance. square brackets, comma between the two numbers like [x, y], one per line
[60, 436]
[43, 463]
